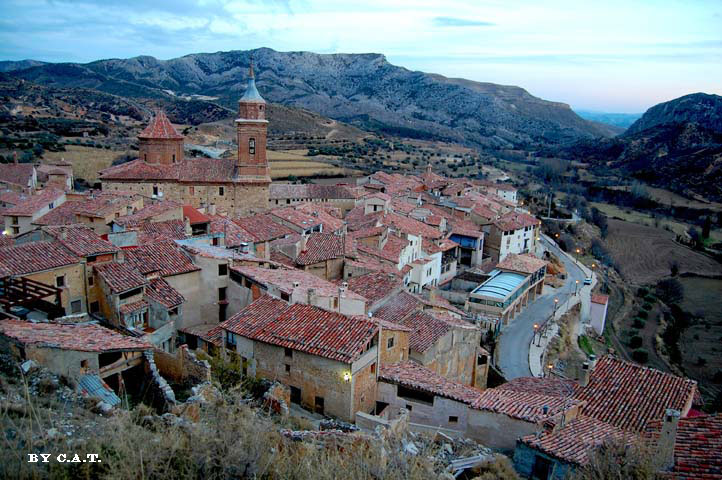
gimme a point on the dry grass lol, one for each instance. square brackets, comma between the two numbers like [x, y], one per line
[86, 161]
[297, 155]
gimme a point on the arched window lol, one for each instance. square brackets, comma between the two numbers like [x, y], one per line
[252, 146]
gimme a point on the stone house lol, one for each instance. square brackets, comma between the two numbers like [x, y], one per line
[328, 360]
[321, 254]
[342, 197]
[598, 312]
[20, 217]
[513, 232]
[18, 177]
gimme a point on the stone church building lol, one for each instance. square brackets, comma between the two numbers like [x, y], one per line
[238, 186]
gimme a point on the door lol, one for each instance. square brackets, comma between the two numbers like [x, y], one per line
[295, 395]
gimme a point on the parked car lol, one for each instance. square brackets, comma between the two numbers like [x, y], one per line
[588, 281]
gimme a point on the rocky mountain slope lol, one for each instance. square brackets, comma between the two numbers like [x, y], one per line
[362, 89]
[675, 145]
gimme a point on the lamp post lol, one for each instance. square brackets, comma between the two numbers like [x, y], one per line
[578, 252]
[556, 304]
[537, 335]
[550, 367]
[576, 286]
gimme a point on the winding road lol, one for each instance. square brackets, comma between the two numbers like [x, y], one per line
[513, 347]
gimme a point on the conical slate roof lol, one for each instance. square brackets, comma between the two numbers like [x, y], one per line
[160, 128]
[251, 94]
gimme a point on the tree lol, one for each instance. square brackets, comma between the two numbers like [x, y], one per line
[674, 268]
[619, 460]
[670, 290]
[706, 226]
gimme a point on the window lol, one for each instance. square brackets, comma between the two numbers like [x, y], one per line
[220, 191]
[84, 364]
[174, 158]
[288, 353]
[252, 146]
[542, 468]
[288, 368]
[92, 258]
[94, 307]
[481, 360]
[51, 205]
[453, 419]
[221, 293]
[373, 368]
[408, 407]
[191, 191]
[173, 311]
[145, 157]
[318, 405]
[335, 303]
[222, 269]
[390, 343]
[60, 281]
[215, 241]
[155, 190]
[14, 220]
[16, 230]
[76, 306]
[415, 395]
[130, 293]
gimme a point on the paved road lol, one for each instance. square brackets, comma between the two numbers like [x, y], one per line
[513, 347]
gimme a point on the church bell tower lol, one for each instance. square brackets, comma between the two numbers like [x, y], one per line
[252, 128]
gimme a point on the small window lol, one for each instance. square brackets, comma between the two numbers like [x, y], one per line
[222, 269]
[91, 281]
[174, 158]
[481, 360]
[373, 368]
[408, 407]
[222, 293]
[145, 157]
[51, 205]
[76, 306]
[155, 190]
[390, 343]
[94, 307]
[453, 419]
[60, 281]
[191, 191]
[288, 353]
[252, 146]
[288, 368]
[335, 303]
[84, 364]
[173, 311]
[220, 191]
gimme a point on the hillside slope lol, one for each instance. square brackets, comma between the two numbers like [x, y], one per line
[362, 89]
[700, 108]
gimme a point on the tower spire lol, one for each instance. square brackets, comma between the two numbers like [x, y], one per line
[250, 68]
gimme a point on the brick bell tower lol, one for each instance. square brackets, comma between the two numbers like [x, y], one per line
[160, 142]
[252, 128]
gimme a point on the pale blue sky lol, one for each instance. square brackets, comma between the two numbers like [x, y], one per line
[615, 56]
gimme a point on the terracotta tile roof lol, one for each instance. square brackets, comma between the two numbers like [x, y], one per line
[133, 307]
[262, 227]
[63, 214]
[551, 386]
[430, 246]
[83, 337]
[465, 228]
[194, 216]
[379, 196]
[371, 264]
[574, 442]
[190, 170]
[398, 307]
[148, 212]
[282, 191]
[164, 257]
[374, 286]
[162, 292]
[515, 221]
[34, 257]
[139, 170]
[391, 251]
[526, 406]
[304, 328]
[234, 235]
[321, 247]
[210, 332]
[103, 204]
[600, 299]
[16, 173]
[284, 279]
[160, 128]
[281, 258]
[413, 375]
[80, 240]
[441, 302]
[306, 216]
[427, 328]
[409, 225]
[120, 277]
[32, 203]
[12, 197]
[524, 263]
[628, 395]
[151, 232]
[697, 447]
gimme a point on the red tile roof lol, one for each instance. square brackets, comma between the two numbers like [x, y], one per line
[210, 332]
[160, 128]
[120, 277]
[628, 395]
[526, 406]
[164, 257]
[323, 246]
[515, 221]
[16, 173]
[306, 216]
[697, 447]
[80, 240]
[409, 225]
[552, 386]
[82, 337]
[398, 307]
[234, 235]
[304, 328]
[151, 232]
[574, 442]
[413, 375]
[600, 299]
[524, 263]
[190, 170]
[133, 307]
[162, 292]
[35, 257]
[148, 212]
[194, 216]
[283, 191]
[262, 227]
[374, 286]
[32, 203]
[428, 329]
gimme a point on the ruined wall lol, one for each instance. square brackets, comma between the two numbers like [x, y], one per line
[163, 397]
[182, 366]
[497, 430]
[67, 363]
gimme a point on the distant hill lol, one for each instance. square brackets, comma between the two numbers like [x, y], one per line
[675, 145]
[361, 89]
[10, 65]
[620, 120]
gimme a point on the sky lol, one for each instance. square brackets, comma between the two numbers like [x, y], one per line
[610, 56]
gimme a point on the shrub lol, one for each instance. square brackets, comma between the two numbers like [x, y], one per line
[647, 306]
[650, 298]
[640, 355]
[643, 314]
[642, 292]
[670, 290]
[639, 322]
[635, 342]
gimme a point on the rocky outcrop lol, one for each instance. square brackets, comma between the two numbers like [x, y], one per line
[699, 108]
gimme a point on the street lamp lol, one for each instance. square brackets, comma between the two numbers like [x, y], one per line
[556, 304]
[537, 335]
[578, 252]
[576, 286]
[550, 367]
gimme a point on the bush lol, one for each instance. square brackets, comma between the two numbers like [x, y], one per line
[650, 298]
[643, 314]
[670, 290]
[635, 342]
[701, 362]
[642, 292]
[640, 355]
[639, 322]
[647, 306]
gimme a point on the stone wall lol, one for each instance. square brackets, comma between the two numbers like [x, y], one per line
[74, 288]
[525, 457]
[182, 366]
[163, 397]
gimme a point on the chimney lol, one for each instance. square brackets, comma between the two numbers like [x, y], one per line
[433, 295]
[592, 362]
[584, 377]
[245, 249]
[667, 439]
[311, 293]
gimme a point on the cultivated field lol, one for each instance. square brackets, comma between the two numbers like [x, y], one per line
[86, 161]
[644, 254]
[703, 297]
